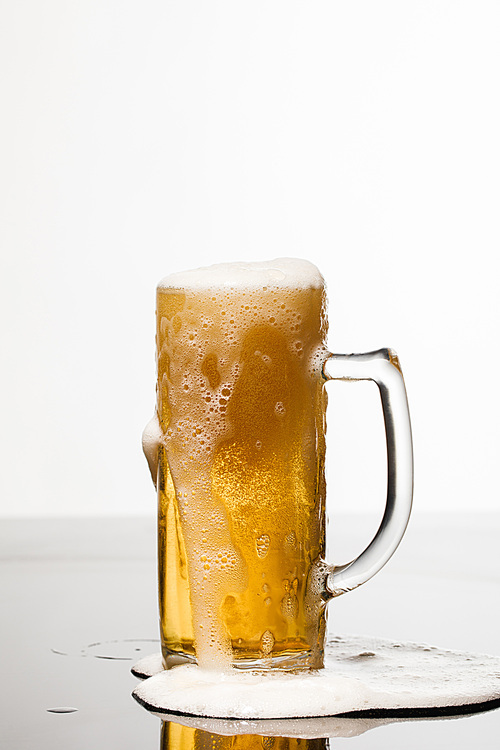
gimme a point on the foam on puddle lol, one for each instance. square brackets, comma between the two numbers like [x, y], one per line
[361, 674]
[281, 272]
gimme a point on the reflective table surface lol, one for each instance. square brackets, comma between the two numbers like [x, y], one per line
[79, 609]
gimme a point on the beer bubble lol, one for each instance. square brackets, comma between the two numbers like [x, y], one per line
[262, 545]
[268, 601]
[289, 605]
[258, 445]
[279, 408]
[267, 642]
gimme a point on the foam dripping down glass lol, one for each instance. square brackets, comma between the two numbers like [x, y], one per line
[236, 449]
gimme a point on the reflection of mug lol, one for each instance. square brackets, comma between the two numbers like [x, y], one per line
[239, 461]
[178, 737]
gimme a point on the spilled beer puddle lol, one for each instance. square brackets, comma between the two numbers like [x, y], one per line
[363, 676]
[127, 649]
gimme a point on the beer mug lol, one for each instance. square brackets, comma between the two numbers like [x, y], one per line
[237, 450]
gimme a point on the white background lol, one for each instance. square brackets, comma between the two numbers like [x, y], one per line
[137, 139]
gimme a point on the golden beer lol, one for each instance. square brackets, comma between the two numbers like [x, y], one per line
[178, 737]
[241, 407]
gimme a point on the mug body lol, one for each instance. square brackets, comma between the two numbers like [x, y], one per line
[241, 489]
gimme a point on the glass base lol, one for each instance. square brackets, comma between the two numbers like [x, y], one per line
[298, 661]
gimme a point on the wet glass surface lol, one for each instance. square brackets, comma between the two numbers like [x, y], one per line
[79, 608]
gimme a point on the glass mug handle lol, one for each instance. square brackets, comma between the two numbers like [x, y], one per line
[381, 366]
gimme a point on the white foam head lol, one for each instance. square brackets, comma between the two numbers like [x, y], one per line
[362, 673]
[281, 272]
